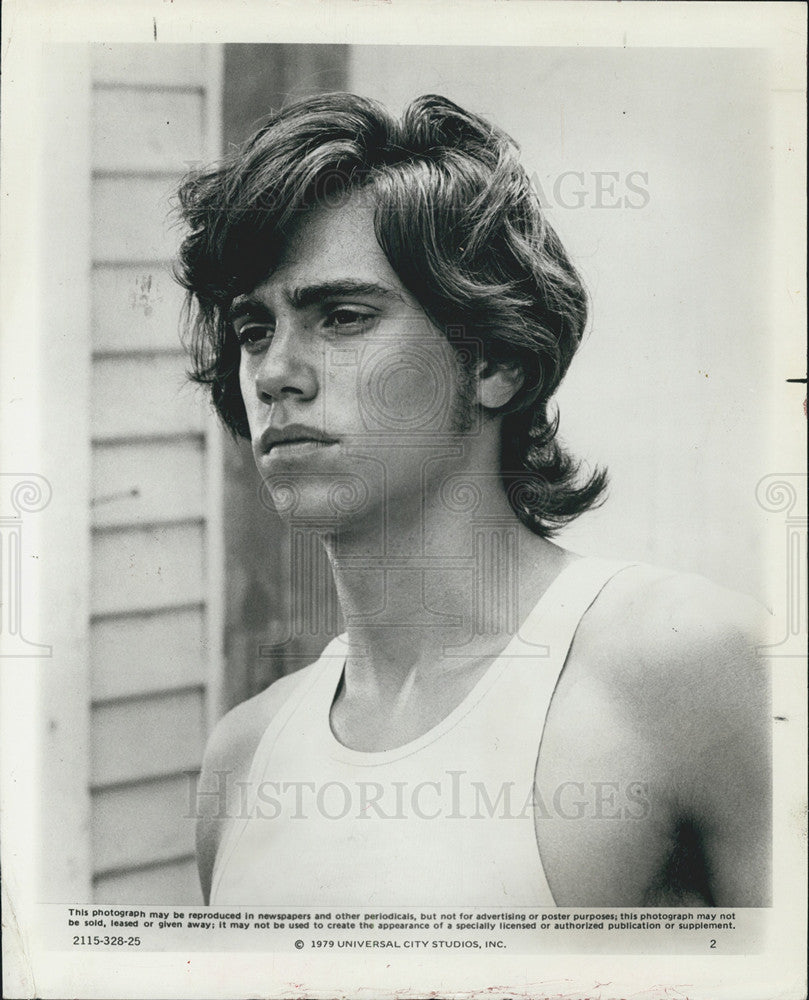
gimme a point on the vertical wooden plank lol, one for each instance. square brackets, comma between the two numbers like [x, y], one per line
[64, 398]
[214, 442]
[261, 78]
[21, 350]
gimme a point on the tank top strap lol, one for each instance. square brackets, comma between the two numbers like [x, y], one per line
[325, 671]
[517, 706]
[309, 702]
[552, 623]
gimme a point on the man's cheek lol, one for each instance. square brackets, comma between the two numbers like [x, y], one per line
[406, 391]
[336, 400]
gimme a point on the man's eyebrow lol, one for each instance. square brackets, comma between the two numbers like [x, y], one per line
[247, 305]
[309, 295]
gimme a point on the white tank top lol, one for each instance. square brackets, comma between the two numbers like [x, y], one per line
[444, 821]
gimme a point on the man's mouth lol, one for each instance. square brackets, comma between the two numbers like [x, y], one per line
[292, 440]
[298, 446]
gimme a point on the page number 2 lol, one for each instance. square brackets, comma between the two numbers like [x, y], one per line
[713, 942]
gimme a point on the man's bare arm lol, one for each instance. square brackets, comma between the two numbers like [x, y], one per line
[222, 790]
[714, 695]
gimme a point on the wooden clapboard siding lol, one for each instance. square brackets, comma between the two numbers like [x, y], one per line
[130, 217]
[125, 833]
[137, 130]
[155, 609]
[163, 882]
[129, 482]
[134, 308]
[147, 653]
[147, 737]
[143, 396]
[141, 568]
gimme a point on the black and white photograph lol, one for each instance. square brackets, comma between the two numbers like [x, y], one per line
[403, 490]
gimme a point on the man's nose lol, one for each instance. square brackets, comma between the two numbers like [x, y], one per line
[286, 368]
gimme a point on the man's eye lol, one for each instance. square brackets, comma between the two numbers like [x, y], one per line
[347, 320]
[252, 334]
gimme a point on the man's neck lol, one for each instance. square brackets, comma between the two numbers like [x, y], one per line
[437, 591]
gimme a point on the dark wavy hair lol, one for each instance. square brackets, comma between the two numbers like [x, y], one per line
[461, 225]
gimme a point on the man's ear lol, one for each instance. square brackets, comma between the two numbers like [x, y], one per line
[498, 384]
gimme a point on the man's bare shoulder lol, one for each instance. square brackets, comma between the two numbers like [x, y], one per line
[228, 756]
[675, 648]
[665, 685]
[235, 738]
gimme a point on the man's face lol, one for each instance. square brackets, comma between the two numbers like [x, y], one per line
[354, 400]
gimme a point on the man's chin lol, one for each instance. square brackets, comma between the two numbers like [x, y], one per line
[321, 501]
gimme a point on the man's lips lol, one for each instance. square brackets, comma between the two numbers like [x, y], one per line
[297, 448]
[293, 438]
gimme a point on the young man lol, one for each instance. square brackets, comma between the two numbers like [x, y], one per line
[384, 311]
